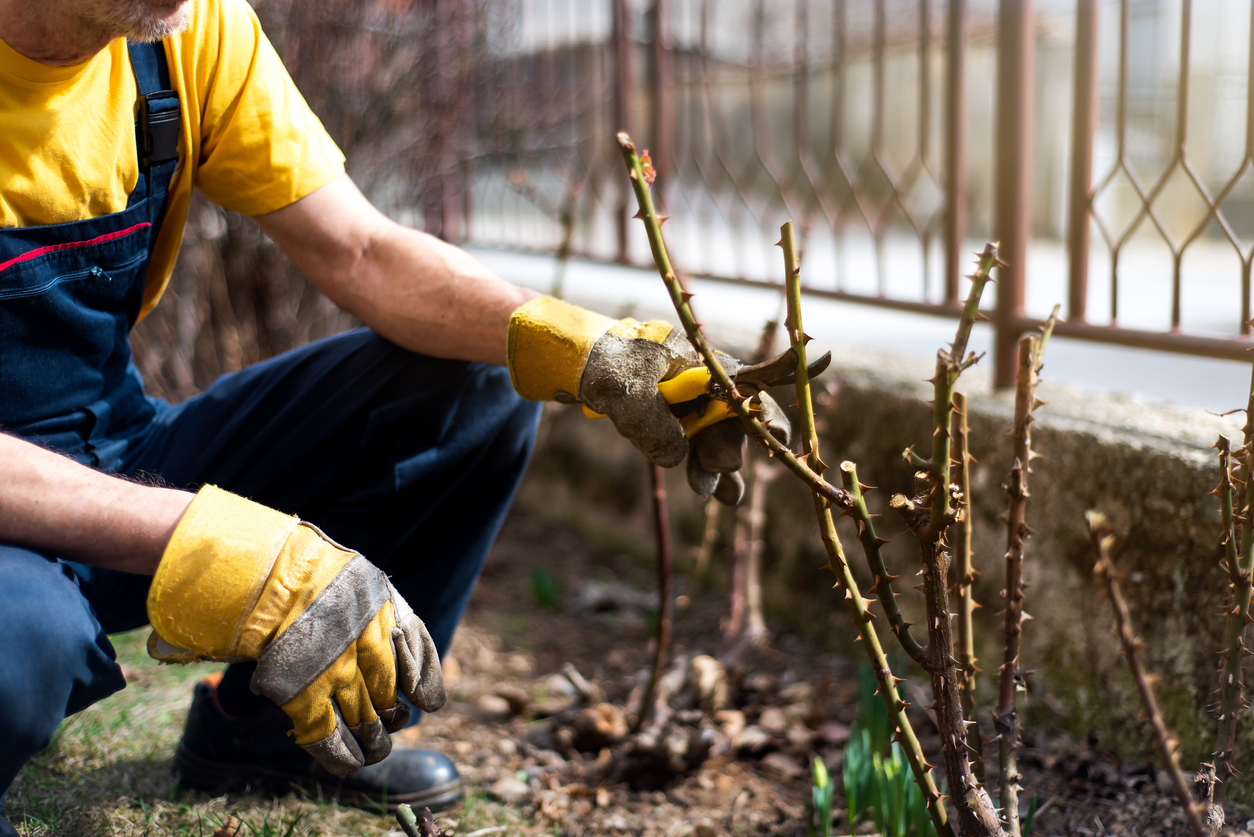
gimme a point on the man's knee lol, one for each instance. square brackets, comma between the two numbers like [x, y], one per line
[55, 659]
[464, 408]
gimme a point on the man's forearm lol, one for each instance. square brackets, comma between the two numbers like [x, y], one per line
[452, 306]
[53, 504]
[415, 290]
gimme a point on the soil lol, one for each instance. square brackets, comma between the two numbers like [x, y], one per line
[739, 760]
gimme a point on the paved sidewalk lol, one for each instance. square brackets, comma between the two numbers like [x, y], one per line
[902, 339]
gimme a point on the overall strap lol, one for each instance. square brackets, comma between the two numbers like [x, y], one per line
[159, 122]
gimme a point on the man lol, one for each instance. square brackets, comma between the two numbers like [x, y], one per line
[404, 440]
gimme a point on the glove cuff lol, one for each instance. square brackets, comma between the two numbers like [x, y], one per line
[549, 341]
[213, 571]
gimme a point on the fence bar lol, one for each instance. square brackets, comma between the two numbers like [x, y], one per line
[1246, 161]
[1221, 348]
[1083, 127]
[955, 147]
[1013, 179]
[624, 104]
[662, 79]
[1182, 138]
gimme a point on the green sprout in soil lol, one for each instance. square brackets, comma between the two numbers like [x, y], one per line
[878, 783]
[546, 589]
[821, 797]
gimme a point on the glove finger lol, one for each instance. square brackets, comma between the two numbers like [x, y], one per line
[699, 479]
[321, 731]
[418, 671]
[720, 448]
[775, 420]
[353, 702]
[396, 718]
[376, 657]
[377, 661]
[730, 488]
[646, 421]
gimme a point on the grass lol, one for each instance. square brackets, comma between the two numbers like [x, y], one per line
[107, 774]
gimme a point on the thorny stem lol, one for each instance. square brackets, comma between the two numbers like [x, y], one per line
[836, 556]
[965, 582]
[755, 627]
[407, 819]
[1241, 571]
[735, 622]
[713, 517]
[746, 594]
[1100, 530]
[679, 298]
[1006, 718]
[1230, 679]
[662, 533]
[949, 366]
[566, 217]
[875, 560]
[976, 815]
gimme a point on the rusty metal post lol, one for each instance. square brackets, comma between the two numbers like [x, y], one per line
[1249, 155]
[624, 104]
[1083, 125]
[955, 147]
[662, 99]
[1012, 223]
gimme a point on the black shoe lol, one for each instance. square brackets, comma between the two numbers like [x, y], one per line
[220, 752]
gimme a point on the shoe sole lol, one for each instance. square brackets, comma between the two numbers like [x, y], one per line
[198, 774]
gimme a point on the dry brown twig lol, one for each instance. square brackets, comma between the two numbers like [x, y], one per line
[1006, 718]
[1168, 746]
[1237, 539]
[746, 625]
[662, 535]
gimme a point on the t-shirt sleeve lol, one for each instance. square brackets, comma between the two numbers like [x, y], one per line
[261, 147]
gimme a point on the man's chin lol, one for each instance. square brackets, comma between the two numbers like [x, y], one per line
[159, 24]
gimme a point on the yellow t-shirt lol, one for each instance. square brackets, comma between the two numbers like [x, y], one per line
[249, 140]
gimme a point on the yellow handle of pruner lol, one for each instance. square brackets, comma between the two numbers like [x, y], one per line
[685, 386]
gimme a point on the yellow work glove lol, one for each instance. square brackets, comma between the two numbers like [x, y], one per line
[560, 352]
[333, 640]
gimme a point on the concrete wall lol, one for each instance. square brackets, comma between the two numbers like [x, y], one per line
[1148, 468]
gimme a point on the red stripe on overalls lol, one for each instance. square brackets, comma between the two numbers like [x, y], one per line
[72, 245]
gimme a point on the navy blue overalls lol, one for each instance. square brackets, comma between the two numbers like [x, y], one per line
[409, 459]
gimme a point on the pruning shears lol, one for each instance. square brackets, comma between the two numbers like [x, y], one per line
[698, 400]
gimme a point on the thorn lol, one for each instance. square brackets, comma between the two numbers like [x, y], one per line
[662, 219]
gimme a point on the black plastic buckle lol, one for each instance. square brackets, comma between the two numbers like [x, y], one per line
[160, 123]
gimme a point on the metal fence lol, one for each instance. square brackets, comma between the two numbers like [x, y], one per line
[898, 134]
